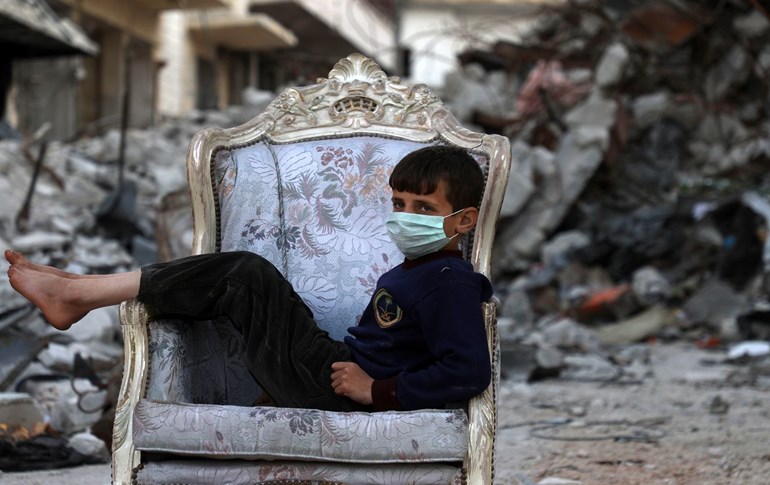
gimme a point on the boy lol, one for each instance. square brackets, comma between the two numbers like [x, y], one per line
[420, 342]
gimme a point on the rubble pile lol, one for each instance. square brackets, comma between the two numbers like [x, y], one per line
[58, 389]
[639, 200]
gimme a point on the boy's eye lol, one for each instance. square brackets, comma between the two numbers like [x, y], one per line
[426, 208]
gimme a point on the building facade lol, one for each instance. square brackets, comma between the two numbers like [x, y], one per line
[432, 33]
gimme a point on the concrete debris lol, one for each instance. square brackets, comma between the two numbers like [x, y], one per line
[89, 445]
[19, 409]
[638, 207]
[642, 159]
[56, 384]
[611, 66]
[749, 349]
[640, 326]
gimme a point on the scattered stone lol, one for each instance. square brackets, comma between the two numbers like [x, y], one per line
[650, 108]
[749, 349]
[611, 65]
[19, 410]
[549, 358]
[89, 445]
[568, 334]
[639, 327]
[588, 368]
[650, 286]
[719, 406]
[558, 481]
[714, 302]
[39, 240]
[99, 325]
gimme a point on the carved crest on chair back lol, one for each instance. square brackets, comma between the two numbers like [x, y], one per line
[357, 94]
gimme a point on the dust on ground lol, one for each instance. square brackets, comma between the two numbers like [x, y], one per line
[683, 420]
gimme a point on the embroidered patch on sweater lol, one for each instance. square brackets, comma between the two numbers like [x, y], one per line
[386, 312]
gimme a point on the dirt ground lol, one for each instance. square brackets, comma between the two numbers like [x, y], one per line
[677, 423]
[673, 421]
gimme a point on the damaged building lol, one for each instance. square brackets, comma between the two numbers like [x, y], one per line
[637, 212]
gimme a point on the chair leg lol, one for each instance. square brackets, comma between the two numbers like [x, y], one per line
[133, 324]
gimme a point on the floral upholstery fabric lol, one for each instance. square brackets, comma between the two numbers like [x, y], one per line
[300, 434]
[198, 362]
[317, 211]
[255, 473]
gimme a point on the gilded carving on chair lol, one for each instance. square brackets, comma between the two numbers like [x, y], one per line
[357, 94]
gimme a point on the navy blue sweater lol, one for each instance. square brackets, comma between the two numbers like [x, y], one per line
[422, 336]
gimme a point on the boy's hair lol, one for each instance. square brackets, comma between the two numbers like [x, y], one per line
[420, 172]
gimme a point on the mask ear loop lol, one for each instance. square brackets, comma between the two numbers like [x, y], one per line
[453, 214]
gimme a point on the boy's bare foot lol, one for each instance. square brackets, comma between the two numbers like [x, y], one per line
[64, 298]
[15, 257]
[50, 289]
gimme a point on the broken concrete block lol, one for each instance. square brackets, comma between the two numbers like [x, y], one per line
[99, 253]
[611, 65]
[749, 349]
[39, 240]
[57, 356]
[753, 24]
[722, 127]
[547, 208]
[558, 481]
[19, 409]
[98, 325]
[714, 302]
[71, 405]
[517, 361]
[168, 179]
[548, 357]
[517, 307]
[568, 334]
[591, 25]
[589, 367]
[520, 186]
[594, 111]
[629, 354]
[650, 108]
[89, 445]
[592, 135]
[638, 327]
[557, 250]
[650, 286]
[733, 70]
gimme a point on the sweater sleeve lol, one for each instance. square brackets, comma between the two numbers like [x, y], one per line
[384, 395]
[452, 323]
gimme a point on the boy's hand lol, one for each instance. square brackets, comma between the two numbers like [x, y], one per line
[349, 380]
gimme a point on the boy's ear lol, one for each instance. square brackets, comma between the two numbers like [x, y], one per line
[468, 219]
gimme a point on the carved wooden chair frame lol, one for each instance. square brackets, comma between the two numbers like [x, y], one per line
[357, 98]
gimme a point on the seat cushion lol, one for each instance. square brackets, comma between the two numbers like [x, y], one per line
[268, 433]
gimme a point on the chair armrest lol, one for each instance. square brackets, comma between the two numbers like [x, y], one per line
[133, 325]
[482, 411]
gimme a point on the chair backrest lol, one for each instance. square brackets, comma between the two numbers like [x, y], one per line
[305, 183]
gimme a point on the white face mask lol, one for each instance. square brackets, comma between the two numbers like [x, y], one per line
[416, 235]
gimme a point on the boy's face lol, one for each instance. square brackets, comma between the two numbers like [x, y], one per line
[436, 204]
[433, 204]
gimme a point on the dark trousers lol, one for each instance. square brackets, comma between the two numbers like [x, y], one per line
[289, 355]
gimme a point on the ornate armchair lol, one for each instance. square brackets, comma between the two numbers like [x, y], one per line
[305, 185]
